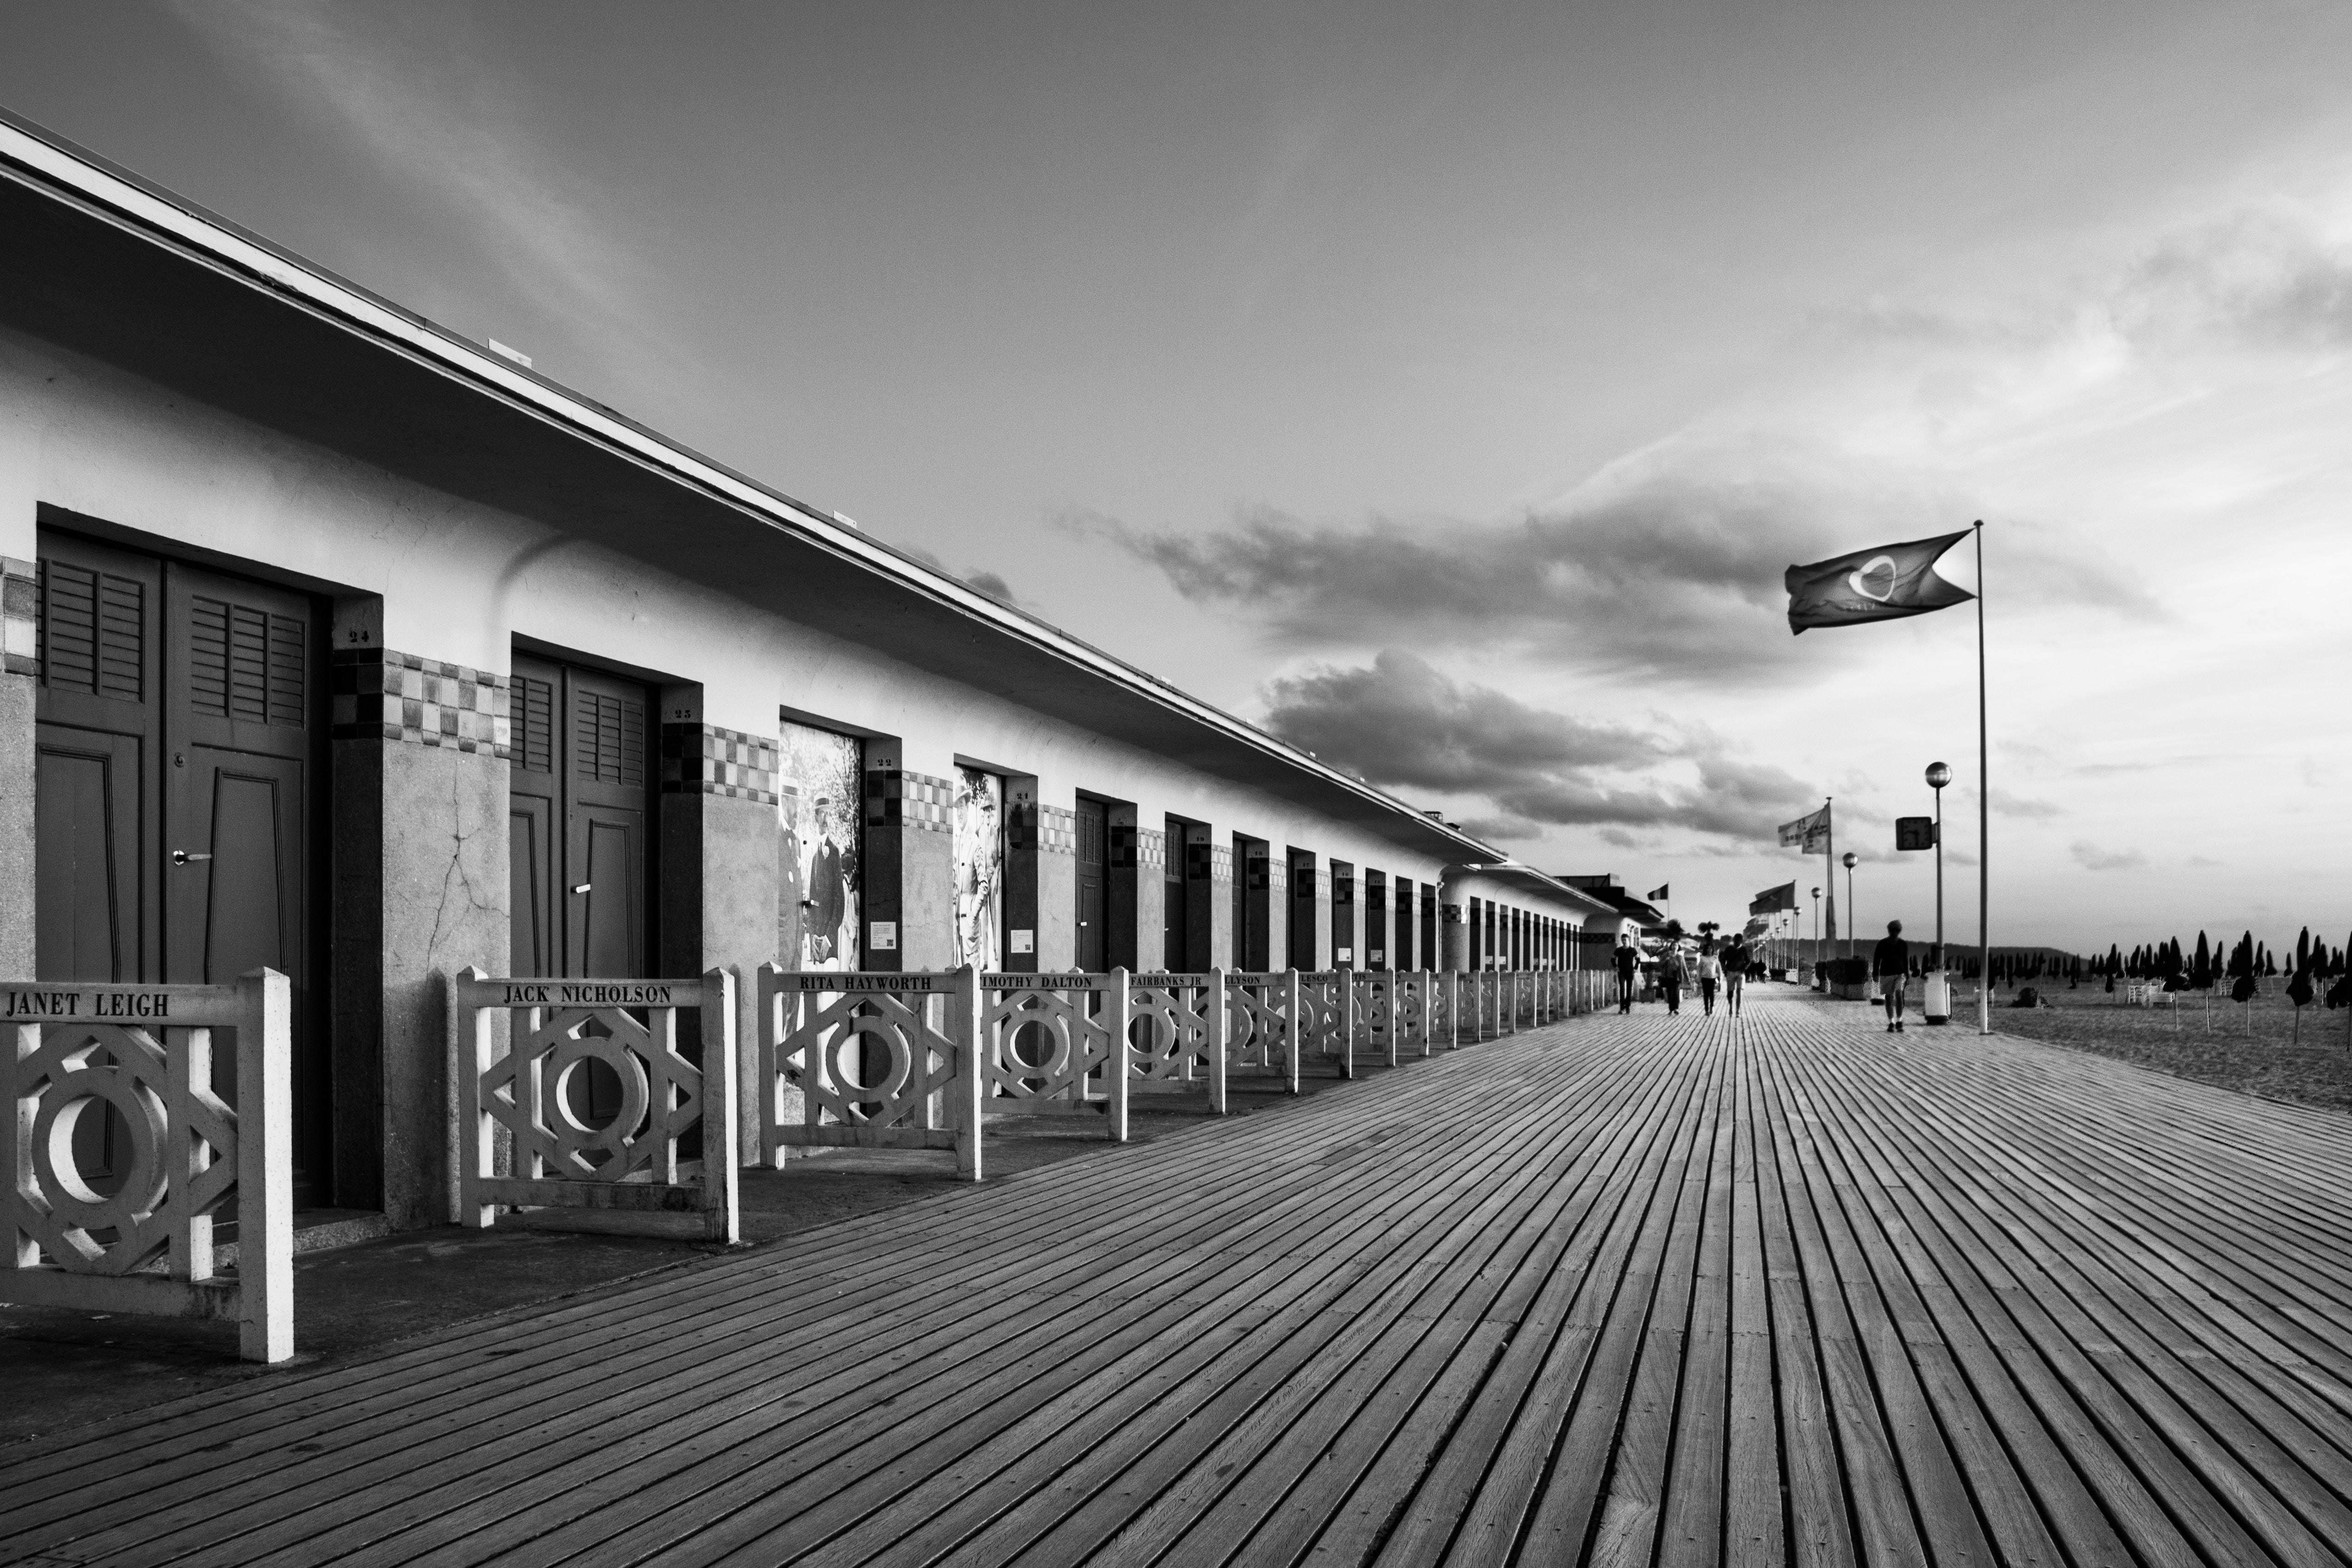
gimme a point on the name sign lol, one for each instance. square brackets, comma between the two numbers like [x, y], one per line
[86, 1007]
[901, 983]
[591, 993]
[1047, 982]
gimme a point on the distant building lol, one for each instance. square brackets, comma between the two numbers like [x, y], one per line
[1627, 914]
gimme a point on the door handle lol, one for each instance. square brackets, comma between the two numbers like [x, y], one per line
[580, 888]
[182, 857]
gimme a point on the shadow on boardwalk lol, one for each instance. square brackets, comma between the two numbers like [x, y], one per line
[1629, 1290]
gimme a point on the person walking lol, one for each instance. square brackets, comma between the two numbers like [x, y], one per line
[1673, 975]
[1735, 974]
[1890, 961]
[1629, 964]
[1710, 977]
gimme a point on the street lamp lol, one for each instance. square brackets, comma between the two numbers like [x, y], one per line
[1938, 775]
[1817, 928]
[1852, 919]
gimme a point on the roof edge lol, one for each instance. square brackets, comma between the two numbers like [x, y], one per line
[51, 161]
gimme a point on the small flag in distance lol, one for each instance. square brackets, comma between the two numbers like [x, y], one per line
[1660, 891]
[1884, 584]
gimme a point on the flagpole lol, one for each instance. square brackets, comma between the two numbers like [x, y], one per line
[1829, 862]
[1984, 815]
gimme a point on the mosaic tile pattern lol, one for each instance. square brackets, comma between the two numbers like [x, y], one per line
[378, 693]
[703, 759]
[899, 797]
[1057, 830]
[20, 597]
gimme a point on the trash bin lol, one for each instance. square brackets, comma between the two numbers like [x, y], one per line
[1935, 998]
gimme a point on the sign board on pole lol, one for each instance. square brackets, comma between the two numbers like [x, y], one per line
[1914, 833]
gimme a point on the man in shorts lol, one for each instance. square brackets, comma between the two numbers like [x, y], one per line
[1735, 974]
[1890, 961]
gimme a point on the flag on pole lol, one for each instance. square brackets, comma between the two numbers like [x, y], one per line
[1882, 585]
[1772, 900]
[1811, 832]
[1661, 891]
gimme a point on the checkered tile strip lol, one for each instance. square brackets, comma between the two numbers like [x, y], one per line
[380, 694]
[1057, 830]
[20, 599]
[896, 797]
[1150, 846]
[703, 759]
[1221, 862]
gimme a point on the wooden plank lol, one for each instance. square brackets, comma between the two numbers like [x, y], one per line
[1603, 1287]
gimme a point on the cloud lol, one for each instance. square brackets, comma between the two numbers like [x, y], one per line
[2267, 278]
[430, 119]
[2094, 858]
[1403, 724]
[1671, 569]
[994, 586]
[2010, 805]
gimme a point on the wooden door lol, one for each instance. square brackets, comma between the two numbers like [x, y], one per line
[98, 725]
[1172, 923]
[243, 704]
[1301, 925]
[580, 861]
[579, 800]
[1093, 885]
[1253, 893]
[179, 772]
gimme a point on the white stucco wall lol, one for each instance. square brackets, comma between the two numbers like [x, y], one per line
[459, 581]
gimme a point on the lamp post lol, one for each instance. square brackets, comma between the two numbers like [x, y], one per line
[1852, 919]
[1938, 775]
[1817, 928]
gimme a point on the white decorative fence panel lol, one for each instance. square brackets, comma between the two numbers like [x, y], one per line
[1176, 1034]
[1261, 1032]
[146, 1053]
[1412, 1006]
[1372, 995]
[1054, 1043]
[1326, 1024]
[879, 1061]
[630, 1172]
[1443, 1007]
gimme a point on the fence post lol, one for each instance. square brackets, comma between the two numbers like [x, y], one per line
[1213, 1012]
[1290, 1023]
[1119, 1015]
[721, 1181]
[265, 1175]
[1346, 987]
[470, 1058]
[773, 1004]
[970, 1112]
[1395, 1012]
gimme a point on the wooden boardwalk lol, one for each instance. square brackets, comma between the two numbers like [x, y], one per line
[1622, 1290]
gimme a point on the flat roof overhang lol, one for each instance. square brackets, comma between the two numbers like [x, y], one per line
[102, 262]
[1538, 883]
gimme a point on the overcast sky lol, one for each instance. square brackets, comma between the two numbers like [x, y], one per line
[1449, 384]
